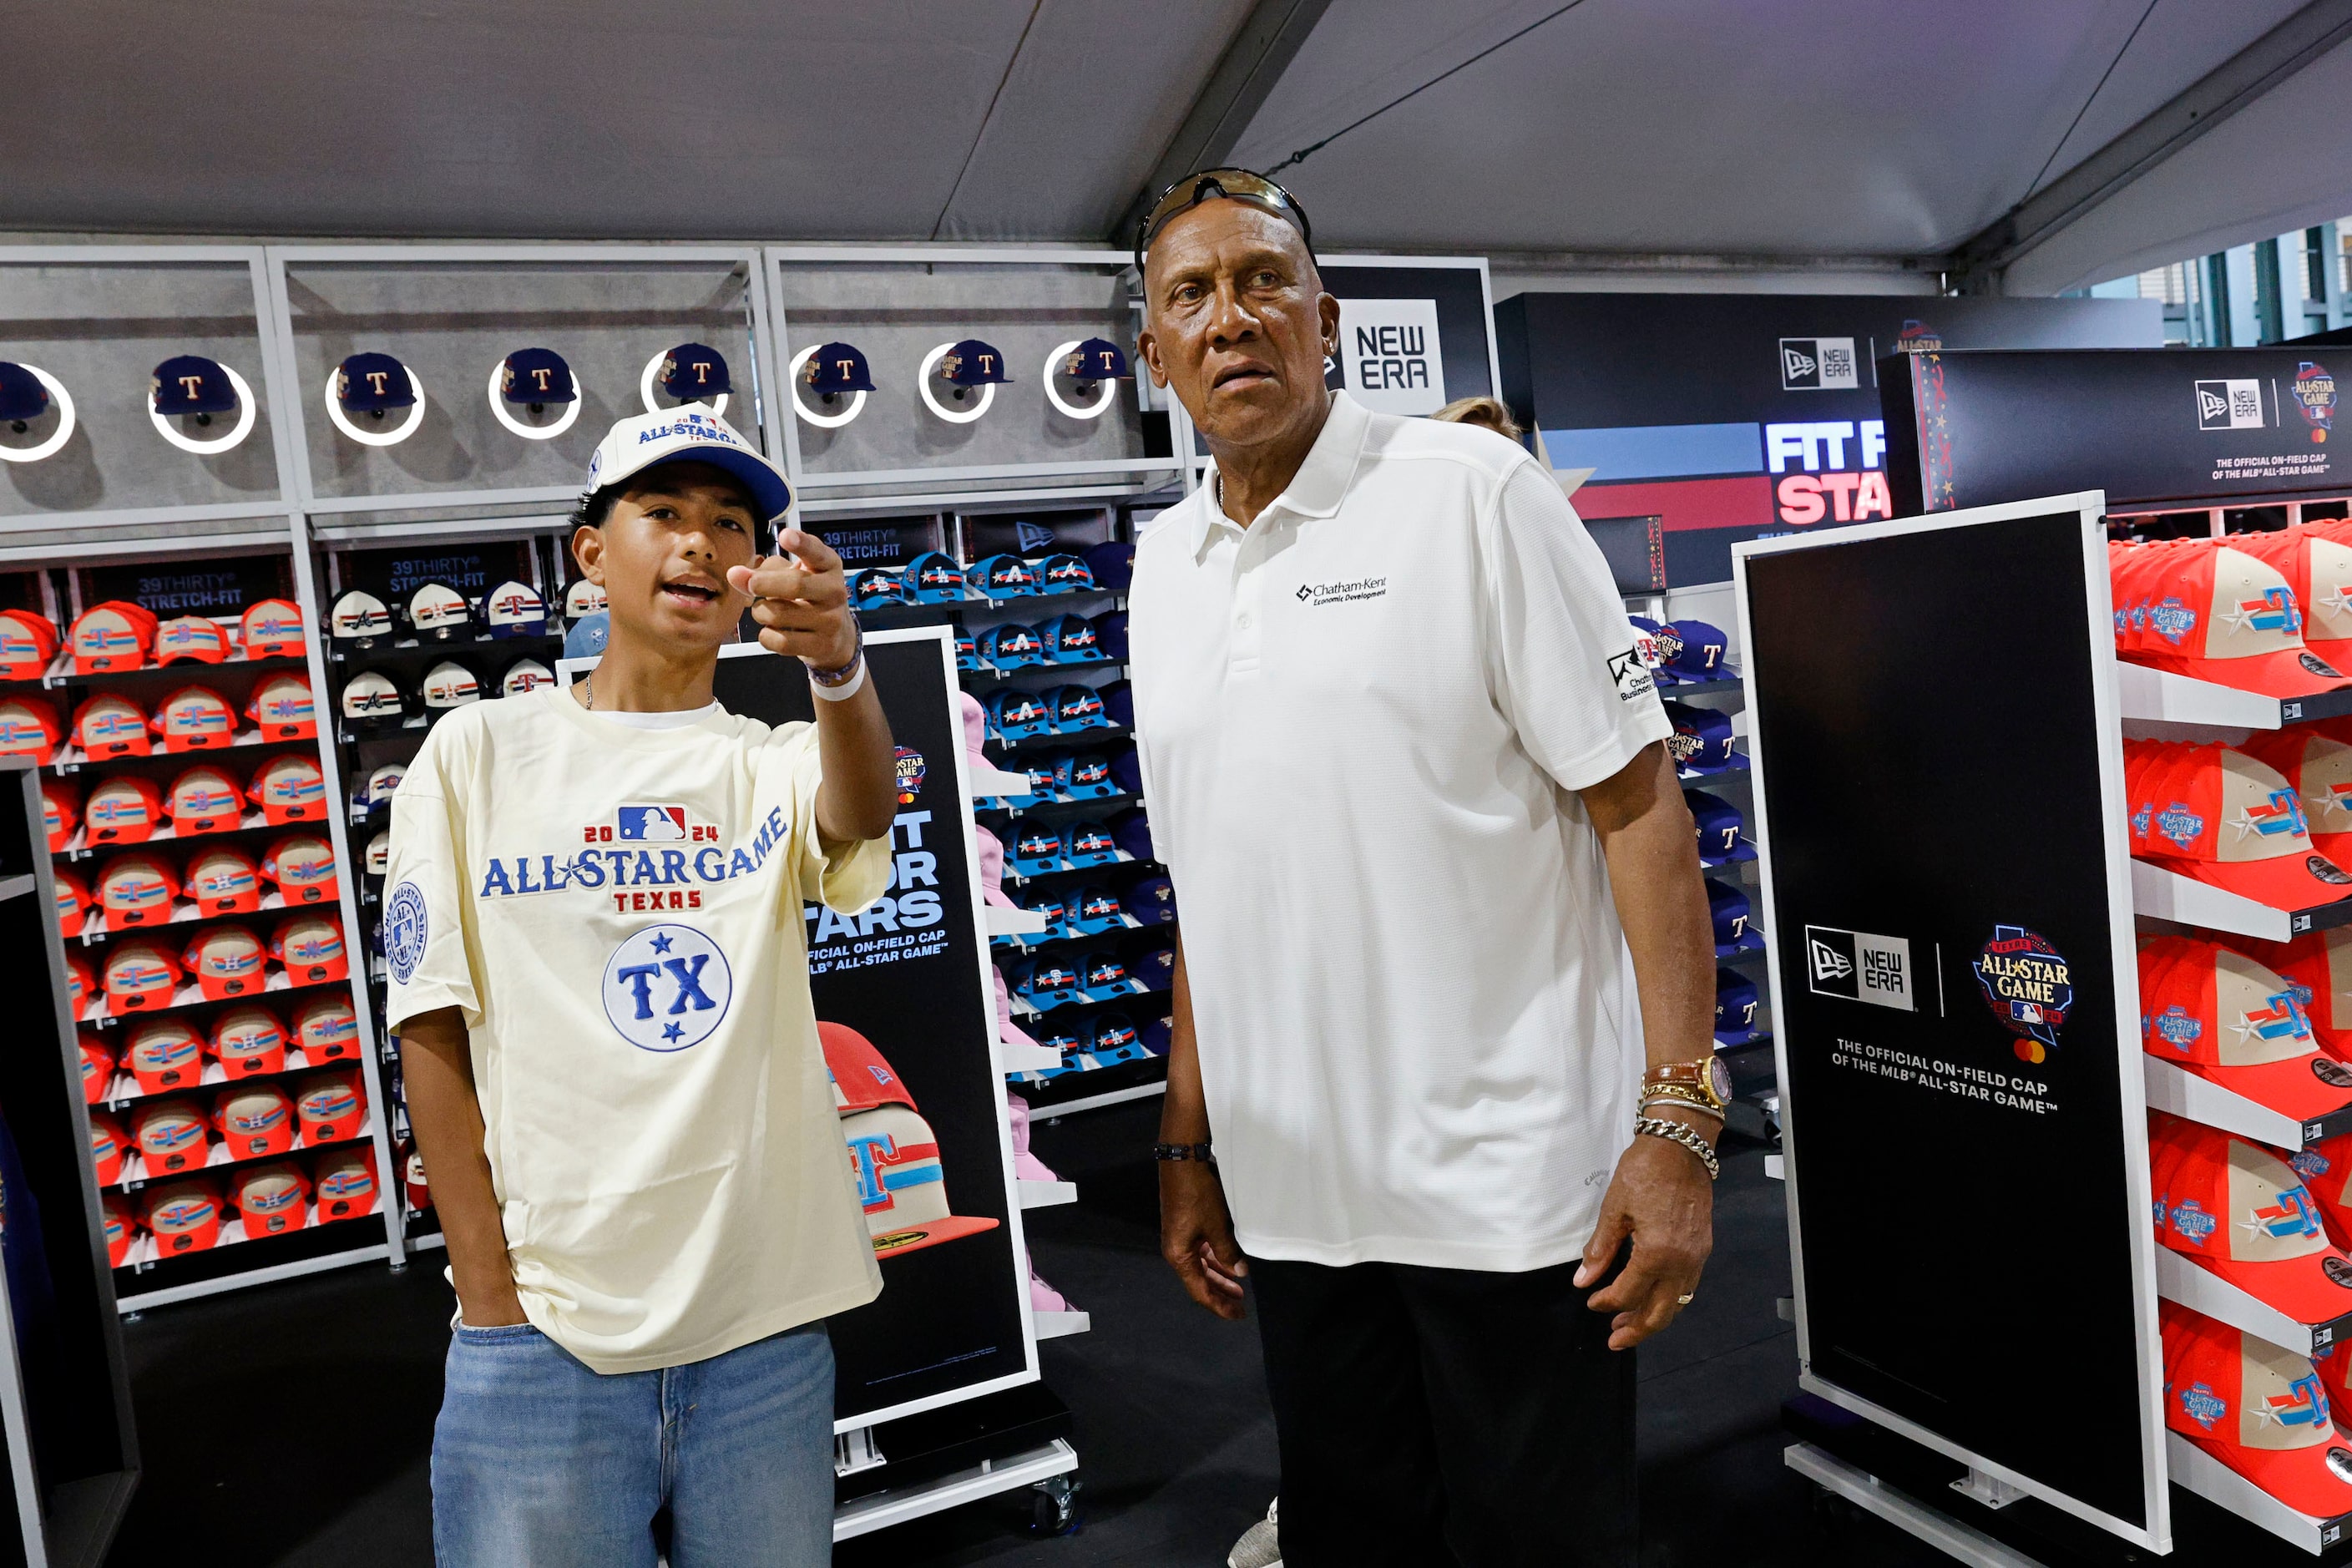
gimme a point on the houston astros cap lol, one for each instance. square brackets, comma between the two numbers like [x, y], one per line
[535, 377]
[2217, 1013]
[303, 866]
[120, 1227]
[330, 1108]
[310, 946]
[204, 799]
[523, 676]
[141, 975]
[346, 1183]
[291, 788]
[271, 628]
[136, 890]
[971, 363]
[1701, 742]
[2241, 1210]
[326, 1029]
[194, 719]
[1011, 646]
[1065, 574]
[2218, 614]
[225, 881]
[693, 372]
[933, 578]
[190, 637]
[893, 1155]
[125, 809]
[1092, 844]
[1735, 930]
[373, 383]
[170, 1137]
[164, 1054]
[1090, 778]
[107, 1146]
[514, 610]
[283, 707]
[1013, 715]
[111, 635]
[836, 368]
[2228, 820]
[1097, 359]
[1734, 1008]
[1132, 829]
[874, 588]
[28, 727]
[2318, 968]
[1721, 827]
[370, 698]
[1070, 639]
[2316, 562]
[1002, 576]
[60, 812]
[358, 617]
[1037, 848]
[438, 611]
[686, 434]
[182, 1216]
[585, 596]
[254, 1119]
[248, 1040]
[109, 724]
[270, 1199]
[2320, 769]
[449, 684]
[29, 640]
[2259, 1409]
[1077, 707]
[226, 962]
[73, 897]
[190, 384]
[97, 1065]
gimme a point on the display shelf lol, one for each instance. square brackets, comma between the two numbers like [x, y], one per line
[98, 1017]
[122, 1092]
[2197, 1471]
[95, 931]
[1003, 921]
[1094, 735]
[1731, 681]
[1058, 807]
[70, 759]
[2178, 1279]
[1738, 767]
[134, 1174]
[1016, 948]
[1046, 1195]
[1058, 1325]
[2174, 1089]
[1024, 1008]
[1015, 1058]
[1023, 879]
[80, 848]
[16, 887]
[191, 671]
[899, 1504]
[1087, 1093]
[1743, 855]
[189, 1276]
[143, 1251]
[413, 647]
[2164, 894]
[2159, 695]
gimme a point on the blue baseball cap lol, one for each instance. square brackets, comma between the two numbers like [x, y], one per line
[1110, 635]
[1701, 742]
[1115, 1040]
[1002, 576]
[1654, 657]
[1721, 829]
[1011, 646]
[588, 635]
[694, 373]
[934, 578]
[1064, 1038]
[190, 384]
[1695, 650]
[535, 377]
[1047, 983]
[1041, 775]
[1734, 920]
[1094, 911]
[1089, 778]
[836, 368]
[1065, 574]
[1159, 1036]
[1103, 975]
[1097, 359]
[973, 363]
[22, 395]
[1015, 714]
[1092, 844]
[1153, 899]
[1734, 1008]
[1155, 966]
[1132, 829]
[967, 651]
[1076, 709]
[1119, 703]
[1112, 564]
[373, 383]
[1056, 912]
[1037, 848]
[1070, 639]
[876, 586]
[1127, 771]
[645, 441]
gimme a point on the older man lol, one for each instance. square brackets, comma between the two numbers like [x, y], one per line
[1408, 777]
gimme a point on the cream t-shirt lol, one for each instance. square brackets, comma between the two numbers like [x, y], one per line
[617, 911]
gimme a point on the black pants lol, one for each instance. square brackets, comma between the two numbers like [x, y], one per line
[1435, 1415]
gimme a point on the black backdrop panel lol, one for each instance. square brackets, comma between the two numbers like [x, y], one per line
[949, 1316]
[1460, 293]
[1924, 711]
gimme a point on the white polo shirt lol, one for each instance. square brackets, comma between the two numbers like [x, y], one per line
[1360, 723]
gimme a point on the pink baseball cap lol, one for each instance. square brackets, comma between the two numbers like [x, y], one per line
[346, 1185]
[271, 1199]
[109, 724]
[331, 1108]
[182, 1216]
[164, 1054]
[170, 1138]
[194, 719]
[255, 1118]
[248, 1040]
[225, 881]
[226, 960]
[327, 1030]
[992, 870]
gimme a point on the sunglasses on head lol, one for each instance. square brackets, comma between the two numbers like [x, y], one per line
[1220, 185]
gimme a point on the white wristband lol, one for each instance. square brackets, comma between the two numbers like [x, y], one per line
[843, 692]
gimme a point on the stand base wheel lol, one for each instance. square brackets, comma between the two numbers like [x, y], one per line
[1053, 1506]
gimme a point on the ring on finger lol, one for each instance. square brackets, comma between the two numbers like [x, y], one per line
[1685, 1300]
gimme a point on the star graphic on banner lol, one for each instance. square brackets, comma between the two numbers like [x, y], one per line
[661, 942]
[671, 1031]
[2245, 823]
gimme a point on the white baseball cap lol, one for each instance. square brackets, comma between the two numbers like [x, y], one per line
[691, 434]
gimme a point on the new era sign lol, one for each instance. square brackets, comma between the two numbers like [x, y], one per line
[1859, 967]
[1819, 364]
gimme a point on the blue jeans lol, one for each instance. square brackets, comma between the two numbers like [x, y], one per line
[540, 1463]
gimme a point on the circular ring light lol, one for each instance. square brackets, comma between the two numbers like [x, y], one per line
[953, 416]
[646, 388]
[187, 443]
[824, 421]
[530, 432]
[65, 423]
[377, 438]
[1101, 407]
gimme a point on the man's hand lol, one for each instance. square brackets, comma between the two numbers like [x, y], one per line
[1196, 1235]
[1662, 1198]
[490, 1302]
[801, 601]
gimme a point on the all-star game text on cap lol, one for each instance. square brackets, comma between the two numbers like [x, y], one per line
[686, 434]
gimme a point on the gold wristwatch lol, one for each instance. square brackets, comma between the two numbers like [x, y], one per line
[1708, 1079]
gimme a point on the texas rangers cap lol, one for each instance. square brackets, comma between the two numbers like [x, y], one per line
[1002, 576]
[585, 598]
[1735, 1009]
[1094, 911]
[270, 1199]
[120, 1227]
[1701, 742]
[194, 719]
[310, 946]
[1151, 899]
[291, 788]
[1110, 635]
[248, 1040]
[190, 637]
[874, 588]
[836, 368]
[164, 1054]
[1011, 646]
[346, 1187]
[225, 881]
[1154, 964]
[271, 628]
[686, 434]
[1076, 707]
[1112, 564]
[330, 1108]
[2316, 562]
[303, 866]
[358, 617]
[1720, 828]
[2241, 1211]
[2217, 1013]
[22, 395]
[81, 985]
[29, 640]
[2259, 1409]
[2228, 820]
[967, 647]
[1090, 778]
[1127, 771]
[523, 676]
[109, 724]
[111, 635]
[2215, 613]
[1735, 928]
[1092, 844]
[1097, 359]
[226, 962]
[2318, 968]
[73, 897]
[1037, 848]
[1069, 639]
[373, 383]
[1013, 715]
[1065, 574]
[136, 890]
[182, 1216]
[514, 610]
[204, 799]
[327, 1030]
[190, 384]
[933, 578]
[97, 1065]
[1132, 829]
[971, 363]
[140, 976]
[2320, 769]
[28, 727]
[254, 1119]
[60, 812]
[283, 707]
[170, 1137]
[438, 610]
[449, 684]
[370, 698]
[1699, 651]
[694, 373]
[107, 1146]
[125, 809]
[535, 377]
[861, 1078]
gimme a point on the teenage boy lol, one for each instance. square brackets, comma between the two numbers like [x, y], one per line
[599, 978]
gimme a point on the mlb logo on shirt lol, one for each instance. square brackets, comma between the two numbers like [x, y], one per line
[651, 824]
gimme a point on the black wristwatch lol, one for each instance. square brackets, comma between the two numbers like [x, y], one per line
[1200, 1152]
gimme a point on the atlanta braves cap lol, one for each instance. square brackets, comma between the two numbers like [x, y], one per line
[583, 598]
[271, 628]
[190, 637]
[1090, 778]
[107, 1146]
[1698, 652]
[1701, 742]
[271, 1199]
[1065, 574]
[108, 724]
[514, 610]
[2243, 1212]
[1132, 829]
[182, 1216]
[310, 946]
[2315, 559]
[303, 866]
[326, 1029]
[225, 881]
[346, 1185]
[1037, 848]
[291, 788]
[1070, 639]
[73, 899]
[523, 676]
[125, 809]
[449, 684]
[136, 890]
[1720, 829]
[1733, 917]
[2320, 769]
[254, 1119]
[1013, 715]
[2216, 1012]
[29, 640]
[330, 1108]
[1011, 646]
[874, 588]
[694, 372]
[1097, 359]
[535, 377]
[438, 611]
[139, 976]
[1092, 844]
[933, 578]
[226, 962]
[837, 368]
[1112, 564]
[1735, 1009]
[2229, 821]
[170, 1137]
[373, 383]
[358, 617]
[2259, 1409]
[248, 1040]
[164, 1054]
[692, 434]
[971, 363]
[189, 384]
[111, 635]
[370, 698]
[1002, 576]
[2218, 614]
[1077, 708]
[284, 708]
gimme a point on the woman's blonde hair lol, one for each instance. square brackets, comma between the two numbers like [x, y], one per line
[1486, 411]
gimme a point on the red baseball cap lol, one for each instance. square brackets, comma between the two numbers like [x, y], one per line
[2315, 559]
[164, 1054]
[182, 1216]
[81, 983]
[135, 890]
[28, 727]
[96, 1067]
[115, 635]
[120, 1224]
[29, 640]
[60, 812]
[2316, 967]
[170, 1138]
[291, 788]
[109, 724]
[310, 946]
[194, 719]
[140, 975]
[204, 799]
[254, 1117]
[2320, 768]
[190, 636]
[272, 629]
[303, 866]
[73, 897]
[327, 1030]
[893, 1155]
[272, 1199]
[2257, 1408]
[2217, 1013]
[2207, 610]
[284, 708]
[331, 1108]
[412, 1176]
[248, 1040]
[861, 1078]
[225, 881]
[346, 1185]
[2244, 1212]
[125, 809]
[2222, 817]
[106, 1147]
[226, 960]
[2325, 1168]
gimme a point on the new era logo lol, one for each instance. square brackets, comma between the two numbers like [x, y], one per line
[1860, 967]
[2229, 405]
[1819, 364]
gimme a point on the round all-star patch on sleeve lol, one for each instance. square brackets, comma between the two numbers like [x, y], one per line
[405, 924]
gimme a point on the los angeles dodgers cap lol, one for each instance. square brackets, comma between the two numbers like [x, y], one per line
[1037, 848]
[1094, 911]
[971, 363]
[1090, 778]
[933, 578]
[373, 383]
[688, 435]
[1113, 1039]
[535, 377]
[837, 368]
[1092, 844]
[514, 609]
[190, 384]
[694, 372]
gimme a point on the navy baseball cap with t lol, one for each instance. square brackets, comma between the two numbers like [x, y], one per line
[836, 368]
[1736, 1009]
[1113, 565]
[1721, 829]
[22, 395]
[973, 362]
[1734, 920]
[190, 384]
[514, 610]
[1097, 359]
[1698, 651]
[373, 383]
[693, 372]
[689, 435]
[533, 376]
[1701, 742]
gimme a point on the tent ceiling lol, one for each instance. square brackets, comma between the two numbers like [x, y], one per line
[1802, 129]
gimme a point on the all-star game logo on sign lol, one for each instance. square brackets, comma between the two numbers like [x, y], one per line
[2314, 393]
[2028, 986]
[912, 774]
